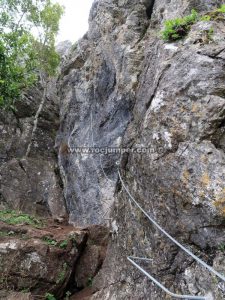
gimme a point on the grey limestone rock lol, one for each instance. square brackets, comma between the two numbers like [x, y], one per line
[122, 86]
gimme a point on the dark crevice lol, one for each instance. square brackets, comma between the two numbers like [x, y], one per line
[218, 226]
[147, 105]
[21, 166]
[149, 9]
[213, 56]
[221, 124]
[2, 199]
[61, 185]
[71, 286]
[58, 176]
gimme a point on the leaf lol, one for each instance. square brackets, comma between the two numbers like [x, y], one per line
[22, 54]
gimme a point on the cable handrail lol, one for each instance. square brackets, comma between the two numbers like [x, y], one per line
[187, 297]
[131, 258]
[222, 277]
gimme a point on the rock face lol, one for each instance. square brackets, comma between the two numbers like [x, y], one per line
[44, 260]
[40, 261]
[15, 295]
[29, 176]
[92, 257]
[98, 87]
[122, 86]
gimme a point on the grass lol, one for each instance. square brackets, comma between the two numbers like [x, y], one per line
[209, 33]
[12, 217]
[19, 235]
[52, 242]
[176, 29]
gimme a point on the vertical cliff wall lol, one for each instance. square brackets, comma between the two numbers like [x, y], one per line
[122, 86]
[98, 87]
[29, 175]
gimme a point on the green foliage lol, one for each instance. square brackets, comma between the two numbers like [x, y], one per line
[90, 282]
[62, 274]
[205, 18]
[221, 9]
[14, 218]
[214, 15]
[49, 296]
[177, 28]
[25, 290]
[6, 233]
[63, 244]
[210, 34]
[49, 241]
[68, 294]
[73, 239]
[27, 45]
[12, 234]
[222, 247]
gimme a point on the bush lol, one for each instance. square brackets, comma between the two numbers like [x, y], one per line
[24, 55]
[221, 9]
[177, 28]
[217, 14]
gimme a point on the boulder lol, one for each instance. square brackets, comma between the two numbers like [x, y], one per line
[39, 260]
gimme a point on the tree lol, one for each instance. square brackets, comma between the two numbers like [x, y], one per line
[27, 45]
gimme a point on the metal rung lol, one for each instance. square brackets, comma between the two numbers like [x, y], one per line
[141, 258]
